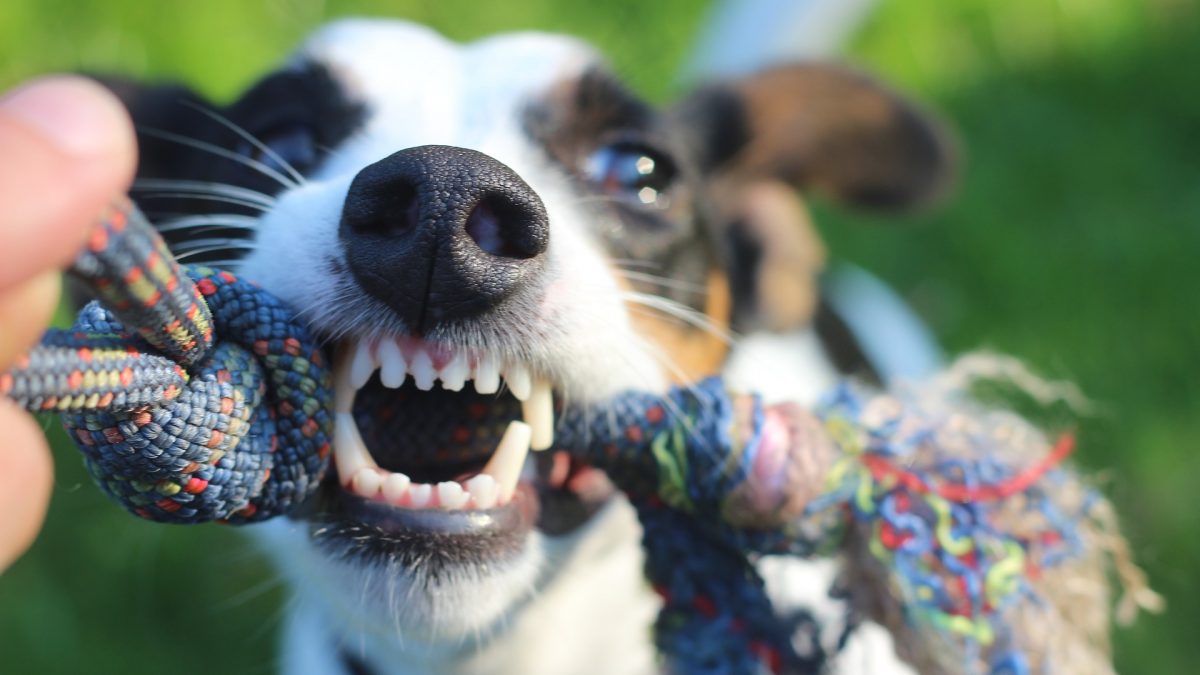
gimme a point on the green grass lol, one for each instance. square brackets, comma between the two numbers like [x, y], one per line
[1071, 244]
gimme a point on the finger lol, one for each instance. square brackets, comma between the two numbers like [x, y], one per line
[26, 474]
[69, 149]
[25, 309]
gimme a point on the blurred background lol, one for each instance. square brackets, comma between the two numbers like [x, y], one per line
[1071, 243]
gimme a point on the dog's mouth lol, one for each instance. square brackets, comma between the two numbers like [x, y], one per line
[436, 440]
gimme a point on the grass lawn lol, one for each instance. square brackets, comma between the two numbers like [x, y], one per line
[1072, 243]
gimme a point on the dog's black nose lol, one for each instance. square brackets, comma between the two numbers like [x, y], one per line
[440, 233]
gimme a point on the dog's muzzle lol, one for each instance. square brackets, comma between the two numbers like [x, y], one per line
[439, 234]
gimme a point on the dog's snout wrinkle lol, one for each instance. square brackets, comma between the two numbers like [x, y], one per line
[453, 227]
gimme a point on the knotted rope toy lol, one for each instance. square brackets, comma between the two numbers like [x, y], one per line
[196, 396]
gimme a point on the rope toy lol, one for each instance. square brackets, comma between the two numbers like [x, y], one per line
[175, 425]
[196, 396]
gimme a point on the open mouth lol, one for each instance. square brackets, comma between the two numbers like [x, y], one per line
[436, 440]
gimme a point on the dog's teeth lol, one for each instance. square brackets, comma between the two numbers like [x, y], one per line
[422, 371]
[454, 374]
[391, 365]
[538, 411]
[519, 382]
[362, 365]
[367, 482]
[483, 491]
[420, 494]
[451, 495]
[395, 486]
[349, 452]
[487, 375]
[343, 382]
[505, 464]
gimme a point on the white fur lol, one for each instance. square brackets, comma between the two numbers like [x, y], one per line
[571, 605]
[420, 89]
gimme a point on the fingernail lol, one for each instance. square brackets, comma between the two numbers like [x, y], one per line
[74, 114]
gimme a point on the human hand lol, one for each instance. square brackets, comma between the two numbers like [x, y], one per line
[66, 150]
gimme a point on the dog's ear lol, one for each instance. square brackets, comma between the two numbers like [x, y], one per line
[161, 111]
[820, 128]
[811, 128]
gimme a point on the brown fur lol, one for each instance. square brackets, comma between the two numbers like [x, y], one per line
[694, 353]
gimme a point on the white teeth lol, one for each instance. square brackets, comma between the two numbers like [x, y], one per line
[483, 491]
[343, 386]
[519, 382]
[505, 464]
[496, 484]
[451, 495]
[454, 374]
[367, 482]
[362, 365]
[422, 371]
[395, 486]
[538, 411]
[421, 494]
[487, 375]
[391, 365]
[349, 452]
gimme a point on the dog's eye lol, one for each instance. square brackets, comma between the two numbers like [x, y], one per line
[633, 172]
[286, 145]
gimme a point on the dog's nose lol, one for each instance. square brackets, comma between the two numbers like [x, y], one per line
[440, 233]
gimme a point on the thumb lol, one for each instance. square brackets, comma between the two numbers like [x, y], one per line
[68, 150]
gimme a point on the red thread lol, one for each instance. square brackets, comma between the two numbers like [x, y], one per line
[881, 468]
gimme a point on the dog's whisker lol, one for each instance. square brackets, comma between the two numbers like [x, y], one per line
[253, 591]
[217, 150]
[204, 187]
[624, 263]
[665, 282]
[249, 138]
[683, 313]
[203, 246]
[216, 220]
[142, 197]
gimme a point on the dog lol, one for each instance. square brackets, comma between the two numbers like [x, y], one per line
[483, 233]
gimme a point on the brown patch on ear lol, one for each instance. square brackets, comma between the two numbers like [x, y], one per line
[695, 353]
[792, 257]
[825, 128]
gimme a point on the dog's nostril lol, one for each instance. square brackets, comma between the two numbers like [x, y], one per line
[388, 210]
[504, 229]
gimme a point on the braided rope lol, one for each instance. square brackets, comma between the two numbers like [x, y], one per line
[175, 426]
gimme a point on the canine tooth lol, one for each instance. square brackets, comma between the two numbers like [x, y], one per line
[483, 491]
[519, 382]
[451, 495]
[349, 452]
[422, 371]
[505, 464]
[395, 486]
[421, 494]
[343, 385]
[454, 374]
[487, 375]
[367, 482]
[391, 365]
[538, 411]
[362, 365]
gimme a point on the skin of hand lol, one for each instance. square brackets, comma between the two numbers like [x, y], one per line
[68, 148]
